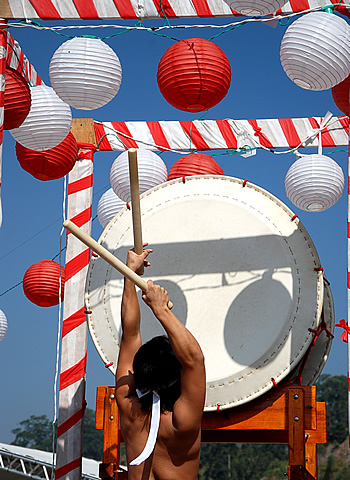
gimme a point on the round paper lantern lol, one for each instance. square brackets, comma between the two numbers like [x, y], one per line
[314, 183]
[49, 164]
[341, 95]
[17, 99]
[85, 73]
[194, 164]
[41, 283]
[315, 51]
[3, 325]
[108, 206]
[194, 75]
[151, 170]
[255, 8]
[48, 122]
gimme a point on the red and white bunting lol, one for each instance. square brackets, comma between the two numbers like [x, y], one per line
[18, 61]
[134, 9]
[74, 330]
[3, 48]
[221, 134]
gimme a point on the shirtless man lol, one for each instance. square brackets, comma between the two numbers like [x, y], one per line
[167, 376]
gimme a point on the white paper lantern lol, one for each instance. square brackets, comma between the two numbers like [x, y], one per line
[3, 325]
[255, 8]
[315, 51]
[85, 73]
[151, 168]
[314, 183]
[108, 206]
[48, 121]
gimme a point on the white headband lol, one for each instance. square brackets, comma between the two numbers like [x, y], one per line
[153, 431]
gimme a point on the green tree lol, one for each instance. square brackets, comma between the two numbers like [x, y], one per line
[37, 432]
[239, 462]
[335, 469]
[334, 391]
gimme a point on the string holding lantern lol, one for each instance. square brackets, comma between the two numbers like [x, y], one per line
[151, 171]
[341, 95]
[85, 72]
[315, 51]
[49, 164]
[48, 121]
[194, 75]
[41, 283]
[194, 164]
[314, 182]
[17, 99]
[108, 206]
[255, 8]
[3, 325]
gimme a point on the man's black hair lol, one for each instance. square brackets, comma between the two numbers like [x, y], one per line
[157, 369]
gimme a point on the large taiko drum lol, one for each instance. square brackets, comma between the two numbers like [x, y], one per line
[241, 270]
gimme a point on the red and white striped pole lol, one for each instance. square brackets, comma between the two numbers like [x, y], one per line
[74, 330]
[3, 52]
[346, 332]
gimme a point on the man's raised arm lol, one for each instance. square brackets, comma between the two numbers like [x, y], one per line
[188, 408]
[130, 321]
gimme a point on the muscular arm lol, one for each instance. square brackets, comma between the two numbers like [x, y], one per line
[188, 408]
[130, 321]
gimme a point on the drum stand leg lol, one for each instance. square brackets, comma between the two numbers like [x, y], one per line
[288, 414]
[302, 456]
[107, 419]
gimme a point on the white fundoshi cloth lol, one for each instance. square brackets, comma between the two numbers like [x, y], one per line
[153, 431]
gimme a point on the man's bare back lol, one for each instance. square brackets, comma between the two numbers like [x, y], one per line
[176, 452]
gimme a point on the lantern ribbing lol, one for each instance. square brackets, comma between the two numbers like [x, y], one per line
[194, 75]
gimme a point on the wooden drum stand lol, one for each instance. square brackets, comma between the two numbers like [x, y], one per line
[287, 414]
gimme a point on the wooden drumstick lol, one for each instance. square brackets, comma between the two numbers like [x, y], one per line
[135, 203]
[108, 256]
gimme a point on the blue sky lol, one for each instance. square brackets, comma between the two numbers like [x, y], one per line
[32, 210]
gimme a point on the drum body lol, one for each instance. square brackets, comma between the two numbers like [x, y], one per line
[310, 368]
[241, 271]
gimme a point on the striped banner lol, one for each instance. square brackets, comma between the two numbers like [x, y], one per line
[74, 329]
[221, 134]
[17, 60]
[346, 334]
[135, 9]
[3, 48]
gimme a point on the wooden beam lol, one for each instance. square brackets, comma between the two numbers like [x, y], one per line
[5, 10]
[84, 131]
[269, 412]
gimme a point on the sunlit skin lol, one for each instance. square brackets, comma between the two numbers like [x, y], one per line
[176, 454]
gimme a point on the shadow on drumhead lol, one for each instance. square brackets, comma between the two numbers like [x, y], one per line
[150, 327]
[256, 320]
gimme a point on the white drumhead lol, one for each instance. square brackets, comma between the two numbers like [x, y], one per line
[239, 270]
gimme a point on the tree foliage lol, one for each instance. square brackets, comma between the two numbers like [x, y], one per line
[37, 432]
[334, 391]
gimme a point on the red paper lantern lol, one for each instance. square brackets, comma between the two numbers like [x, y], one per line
[194, 164]
[194, 75]
[41, 283]
[341, 93]
[17, 99]
[49, 164]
